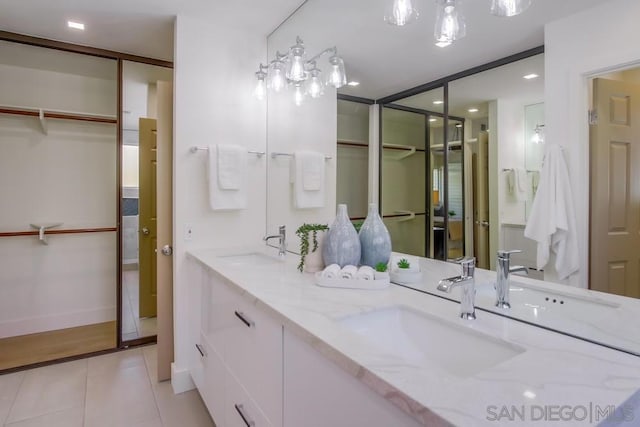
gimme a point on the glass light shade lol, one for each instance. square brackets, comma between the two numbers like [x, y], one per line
[315, 87]
[295, 70]
[337, 75]
[450, 23]
[509, 7]
[260, 92]
[401, 13]
[298, 94]
[276, 77]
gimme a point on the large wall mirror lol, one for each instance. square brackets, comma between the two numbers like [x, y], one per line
[459, 156]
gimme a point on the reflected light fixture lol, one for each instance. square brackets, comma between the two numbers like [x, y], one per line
[315, 86]
[450, 23]
[401, 13]
[301, 75]
[538, 136]
[433, 120]
[353, 83]
[473, 110]
[530, 76]
[75, 25]
[261, 85]
[509, 7]
[438, 102]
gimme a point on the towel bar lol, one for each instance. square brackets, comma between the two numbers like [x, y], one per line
[196, 149]
[277, 154]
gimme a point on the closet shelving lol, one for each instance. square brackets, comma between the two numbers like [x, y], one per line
[43, 115]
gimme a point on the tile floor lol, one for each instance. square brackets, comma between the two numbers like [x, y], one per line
[114, 390]
[132, 326]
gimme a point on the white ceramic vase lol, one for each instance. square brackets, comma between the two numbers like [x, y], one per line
[313, 262]
[341, 244]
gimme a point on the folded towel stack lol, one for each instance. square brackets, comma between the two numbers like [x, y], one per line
[349, 272]
[331, 272]
[366, 273]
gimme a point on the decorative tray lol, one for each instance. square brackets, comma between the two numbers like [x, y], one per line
[351, 283]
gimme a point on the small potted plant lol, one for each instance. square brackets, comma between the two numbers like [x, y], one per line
[452, 213]
[311, 236]
[404, 264]
[381, 271]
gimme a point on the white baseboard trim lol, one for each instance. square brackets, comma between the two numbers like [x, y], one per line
[181, 379]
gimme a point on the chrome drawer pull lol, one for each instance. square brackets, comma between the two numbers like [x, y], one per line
[201, 350]
[248, 421]
[240, 315]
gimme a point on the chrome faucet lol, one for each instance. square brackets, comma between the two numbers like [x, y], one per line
[282, 240]
[503, 270]
[467, 282]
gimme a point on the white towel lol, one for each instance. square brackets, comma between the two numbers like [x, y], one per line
[308, 177]
[552, 222]
[231, 198]
[232, 160]
[366, 273]
[510, 177]
[331, 272]
[349, 272]
[521, 185]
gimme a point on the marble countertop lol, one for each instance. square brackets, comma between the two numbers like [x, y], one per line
[555, 377]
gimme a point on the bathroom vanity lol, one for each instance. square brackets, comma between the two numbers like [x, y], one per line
[270, 348]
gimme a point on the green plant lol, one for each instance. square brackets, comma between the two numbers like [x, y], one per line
[303, 233]
[357, 224]
[381, 267]
[404, 263]
[452, 213]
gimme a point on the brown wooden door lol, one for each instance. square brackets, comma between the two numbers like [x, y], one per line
[481, 202]
[148, 280]
[615, 189]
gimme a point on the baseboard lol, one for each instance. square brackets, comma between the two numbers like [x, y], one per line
[181, 379]
[34, 325]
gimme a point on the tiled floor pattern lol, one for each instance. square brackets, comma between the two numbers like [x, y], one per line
[132, 326]
[114, 390]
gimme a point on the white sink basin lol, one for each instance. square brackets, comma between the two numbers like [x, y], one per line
[418, 338]
[253, 259]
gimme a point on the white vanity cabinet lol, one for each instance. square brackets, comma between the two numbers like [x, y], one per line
[317, 393]
[237, 364]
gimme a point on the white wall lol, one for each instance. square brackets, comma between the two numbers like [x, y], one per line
[215, 62]
[587, 43]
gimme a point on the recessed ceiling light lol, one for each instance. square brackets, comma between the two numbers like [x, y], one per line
[473, 110]
[75, 25]
[458, 125]
[438, 102]
[530, 76]
[352, 83]
[433, 120]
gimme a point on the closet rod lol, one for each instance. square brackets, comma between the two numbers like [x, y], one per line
[58, 115]
[196, 149]
[71, 231]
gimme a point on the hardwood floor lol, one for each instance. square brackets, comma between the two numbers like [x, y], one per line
[45, 346]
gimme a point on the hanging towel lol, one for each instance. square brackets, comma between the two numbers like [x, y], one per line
[552, 222]
[521, 184]
[308, 177]
[232, 160]
[227, 177]
[510, 176]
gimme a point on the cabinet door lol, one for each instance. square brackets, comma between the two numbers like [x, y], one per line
[196, 276]
[254, 356]
[317, 393]
[215, 377]
[217, 298]
[240, 409]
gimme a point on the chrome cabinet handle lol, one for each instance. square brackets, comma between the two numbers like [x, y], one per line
[240, 315]
[145, 231]
[248, 421]
[201, 350]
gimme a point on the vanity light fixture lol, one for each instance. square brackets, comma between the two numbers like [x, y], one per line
[538, 136]
[303, 76]
[402, 13]
[509, 7]
[450, 23]
[530, 76]
[75, 25]
[473, 110]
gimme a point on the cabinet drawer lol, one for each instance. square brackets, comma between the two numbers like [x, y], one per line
[210, 380]
[254, 355]
[217, 300]
[240, 409]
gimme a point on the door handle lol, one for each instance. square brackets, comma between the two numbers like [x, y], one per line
[145, 231]
[483, 223]
[167, 250]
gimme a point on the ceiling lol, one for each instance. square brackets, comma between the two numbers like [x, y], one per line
[387, 59]
[139, 27]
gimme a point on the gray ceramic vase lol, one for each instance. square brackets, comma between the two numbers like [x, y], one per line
[375, 240]
[341, 244]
